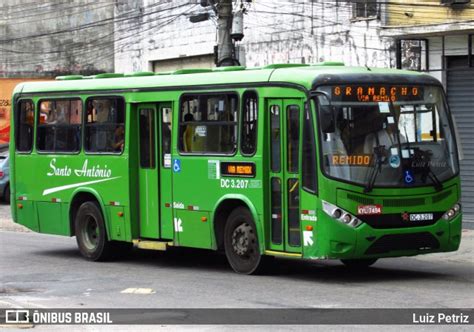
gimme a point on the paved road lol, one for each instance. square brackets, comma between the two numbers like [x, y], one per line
[47, 271]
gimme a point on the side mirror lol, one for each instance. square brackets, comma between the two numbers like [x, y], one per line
[327, 119]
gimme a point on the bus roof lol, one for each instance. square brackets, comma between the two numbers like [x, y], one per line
[303, 75]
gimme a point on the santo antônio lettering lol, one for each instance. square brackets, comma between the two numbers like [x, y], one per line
[85, 171]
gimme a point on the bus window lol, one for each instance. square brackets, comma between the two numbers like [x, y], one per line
[105, 125]
[166, 114]
[248, 142]
[59, 125]
[24, 126]
[147, 138]
[208, 124]
[293, 213]
[275, 138]
[293, 139]
[276, 211]
[309, 153]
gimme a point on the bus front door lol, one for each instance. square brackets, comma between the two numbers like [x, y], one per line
[283, 117]
[154, 174]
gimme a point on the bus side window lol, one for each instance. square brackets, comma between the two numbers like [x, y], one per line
[248, 144]
[24, 123]
[105, 125]
[59, 125]
[208, 123]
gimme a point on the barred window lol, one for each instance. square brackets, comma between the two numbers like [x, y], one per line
[59, 125]
[365, 8]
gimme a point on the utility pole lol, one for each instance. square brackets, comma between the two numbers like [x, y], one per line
[225, 46]
[229, 29]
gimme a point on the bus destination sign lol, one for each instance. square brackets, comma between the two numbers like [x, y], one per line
[242, 169]
[376, 93]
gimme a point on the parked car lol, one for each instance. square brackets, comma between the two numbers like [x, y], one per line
[4, 175]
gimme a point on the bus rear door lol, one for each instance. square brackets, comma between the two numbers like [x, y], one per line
[284, 127]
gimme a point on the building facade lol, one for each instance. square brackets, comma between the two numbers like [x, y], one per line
[437, 37]
[44, 39]
[301, 31]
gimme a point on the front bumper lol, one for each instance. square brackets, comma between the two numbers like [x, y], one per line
[344, 242]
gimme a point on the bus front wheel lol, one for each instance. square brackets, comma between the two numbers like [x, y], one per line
[91, 235]
[241, 243]
[359, 263]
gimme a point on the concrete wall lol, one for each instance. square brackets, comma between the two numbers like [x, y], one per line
[161, 32]
[49, 38]
[275, 32]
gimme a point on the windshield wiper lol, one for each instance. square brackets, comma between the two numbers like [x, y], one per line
[379, 152]
[423, 158]
[436, 182]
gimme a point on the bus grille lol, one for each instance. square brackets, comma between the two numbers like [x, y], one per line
[403, 202]
[360, 199]
[393, 242]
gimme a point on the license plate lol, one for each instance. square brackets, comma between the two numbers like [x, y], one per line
[369, 209]
[421, 216]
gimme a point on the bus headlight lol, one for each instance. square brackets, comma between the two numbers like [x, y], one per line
[340, 215]
[452, 212]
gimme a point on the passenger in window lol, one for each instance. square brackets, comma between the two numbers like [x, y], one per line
[45, 109]
[60, 113]
[166, 137]
[119, 139]
[188, 133]
[385, 133]
[30, 115]
[100, 111]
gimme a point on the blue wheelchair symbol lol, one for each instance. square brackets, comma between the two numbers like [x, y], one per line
[408, 177]
[176, 165]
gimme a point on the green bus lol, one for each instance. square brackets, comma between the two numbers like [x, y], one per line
[317, 161]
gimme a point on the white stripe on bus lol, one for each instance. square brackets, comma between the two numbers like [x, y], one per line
[74, 185]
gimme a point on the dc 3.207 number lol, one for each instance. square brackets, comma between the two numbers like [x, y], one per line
[234, 183]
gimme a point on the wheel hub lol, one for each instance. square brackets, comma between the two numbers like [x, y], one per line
[91, 233]
[241, 239]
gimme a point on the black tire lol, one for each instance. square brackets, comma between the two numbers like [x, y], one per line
[6, 194]
[359, 263]
[91, 234]
[241, 243]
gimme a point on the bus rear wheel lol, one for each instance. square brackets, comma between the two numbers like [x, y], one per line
[358, 263]
[90, 232]
[241, 242]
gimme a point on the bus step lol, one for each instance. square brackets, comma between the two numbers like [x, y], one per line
[152, 245]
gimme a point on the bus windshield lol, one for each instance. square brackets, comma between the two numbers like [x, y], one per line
[386, 135]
